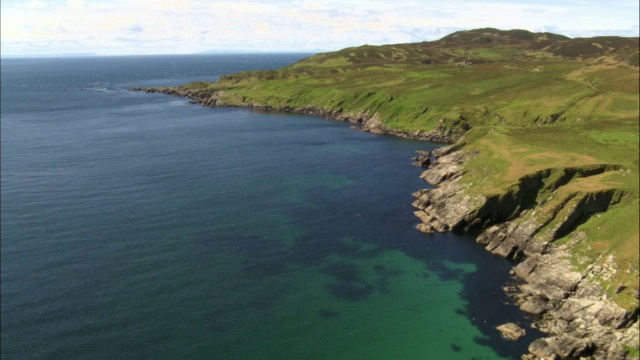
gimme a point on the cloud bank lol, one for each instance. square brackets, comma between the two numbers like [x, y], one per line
[119, 27]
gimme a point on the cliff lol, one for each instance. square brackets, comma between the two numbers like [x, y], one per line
[566, 298]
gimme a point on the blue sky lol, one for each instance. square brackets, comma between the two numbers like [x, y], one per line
[127, 27]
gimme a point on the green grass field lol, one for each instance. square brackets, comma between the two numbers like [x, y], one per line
[532, 101]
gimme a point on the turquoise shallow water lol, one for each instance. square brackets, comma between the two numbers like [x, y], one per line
[137, 226]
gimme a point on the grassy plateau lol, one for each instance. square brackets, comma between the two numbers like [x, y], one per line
[525, 101]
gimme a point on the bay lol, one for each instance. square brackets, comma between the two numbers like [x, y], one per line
[138, 226]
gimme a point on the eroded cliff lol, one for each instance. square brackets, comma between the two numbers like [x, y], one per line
[536, 222]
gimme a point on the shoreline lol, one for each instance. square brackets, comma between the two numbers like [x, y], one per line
[363, 120]
[564, 302]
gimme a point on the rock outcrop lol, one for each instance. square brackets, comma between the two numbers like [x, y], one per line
[511, 331]
[423, 159]
[568, 303]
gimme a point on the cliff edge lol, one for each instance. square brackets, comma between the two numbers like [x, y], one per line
[565, 297]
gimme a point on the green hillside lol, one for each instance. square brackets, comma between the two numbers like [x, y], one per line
[524, 101]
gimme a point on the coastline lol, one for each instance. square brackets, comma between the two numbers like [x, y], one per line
[565, 301]
[363, 121]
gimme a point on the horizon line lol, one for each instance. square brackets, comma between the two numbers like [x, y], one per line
[203, 53]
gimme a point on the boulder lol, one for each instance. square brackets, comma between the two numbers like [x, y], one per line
[511, 331]
[567, 346]
[536, 305]
[423, 159]
[541, 349]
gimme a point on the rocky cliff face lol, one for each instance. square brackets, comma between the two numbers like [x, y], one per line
[567, 302]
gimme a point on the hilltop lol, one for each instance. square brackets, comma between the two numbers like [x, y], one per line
[544, 161]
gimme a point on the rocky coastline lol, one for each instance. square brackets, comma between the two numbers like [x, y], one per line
[566, 302]
[362, 121]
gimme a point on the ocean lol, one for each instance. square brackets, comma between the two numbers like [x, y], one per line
[137, 226]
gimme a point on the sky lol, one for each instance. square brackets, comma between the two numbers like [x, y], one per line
[144, 27]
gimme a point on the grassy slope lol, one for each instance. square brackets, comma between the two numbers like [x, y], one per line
[533, 101]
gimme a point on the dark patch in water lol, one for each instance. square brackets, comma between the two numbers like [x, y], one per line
[446, 273]
[328, 314]
[349, 285]
[386, 272]
[456, 347]
[351, 291]
[384, 275]
[344, 272]
[382, 286]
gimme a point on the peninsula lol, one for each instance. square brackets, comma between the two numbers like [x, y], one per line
[542, 162]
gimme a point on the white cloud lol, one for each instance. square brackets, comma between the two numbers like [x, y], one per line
[75, 4]
[34, 5]
[173, 26]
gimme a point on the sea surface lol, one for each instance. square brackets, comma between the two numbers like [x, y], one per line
[137, 226]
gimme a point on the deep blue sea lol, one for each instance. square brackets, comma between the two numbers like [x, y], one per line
[137, 226]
